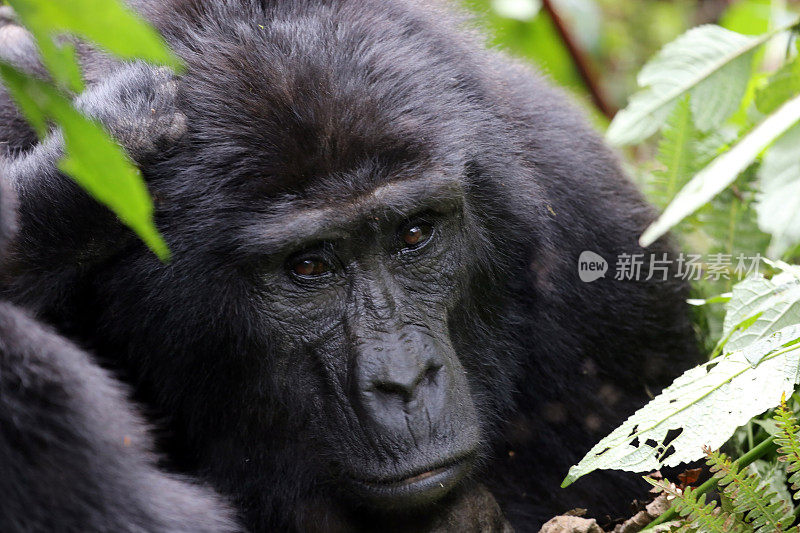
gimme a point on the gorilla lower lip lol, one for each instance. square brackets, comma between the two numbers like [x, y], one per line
[416, 490]
[424, 475]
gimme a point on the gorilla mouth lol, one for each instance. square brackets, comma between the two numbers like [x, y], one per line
[417, 489]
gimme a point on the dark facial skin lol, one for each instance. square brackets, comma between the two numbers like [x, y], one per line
[363, 290]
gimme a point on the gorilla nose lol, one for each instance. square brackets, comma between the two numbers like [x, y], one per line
[403, 391]
[405, 383]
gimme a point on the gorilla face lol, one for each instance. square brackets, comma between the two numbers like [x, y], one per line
[360, 287]
[327, 245]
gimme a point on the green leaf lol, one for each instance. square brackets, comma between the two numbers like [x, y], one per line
[782, 85]
[771, 473]
[778, 204]
[718, 96]
[682, 150]
[774, 303]
[107, 23]
[676, 151]
[709, 62]
[750, 497]
[729, 219]
[92, 159]
[723, 170]
[700, 517]
[729, 386]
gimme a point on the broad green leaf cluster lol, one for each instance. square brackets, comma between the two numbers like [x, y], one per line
[726, 173]
[705, 62]
[720, 116]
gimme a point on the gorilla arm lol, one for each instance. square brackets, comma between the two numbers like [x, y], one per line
[74, 454]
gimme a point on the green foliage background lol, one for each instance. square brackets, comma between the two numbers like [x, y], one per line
[618, 36]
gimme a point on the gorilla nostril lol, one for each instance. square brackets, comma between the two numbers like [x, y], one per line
[390, 388]
[432, 374]
[406, 388]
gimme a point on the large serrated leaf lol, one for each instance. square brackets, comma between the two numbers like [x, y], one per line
[734, 387]
[775, 303]
[778, 204]
[723, 170]
[708, 61]
[718, 96]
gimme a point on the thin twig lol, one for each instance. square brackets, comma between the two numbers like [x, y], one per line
[581, 62]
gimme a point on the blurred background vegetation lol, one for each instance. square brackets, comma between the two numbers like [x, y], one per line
[613, 38]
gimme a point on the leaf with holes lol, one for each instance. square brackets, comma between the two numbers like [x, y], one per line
[673, 428]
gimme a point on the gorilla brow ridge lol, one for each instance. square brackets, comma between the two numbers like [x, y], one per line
[405, 198]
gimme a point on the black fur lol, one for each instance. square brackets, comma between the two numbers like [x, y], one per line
[313, 103]
[74, 454]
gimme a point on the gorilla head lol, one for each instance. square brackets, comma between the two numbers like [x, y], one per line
[357, 291]
[375, 227]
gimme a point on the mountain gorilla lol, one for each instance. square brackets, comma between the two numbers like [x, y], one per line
[373, 304]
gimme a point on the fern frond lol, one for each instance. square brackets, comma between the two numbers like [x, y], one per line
[761, 508]
[676, 151]
[789, 444]
[681, 152]
[700, 516]
[730, 219]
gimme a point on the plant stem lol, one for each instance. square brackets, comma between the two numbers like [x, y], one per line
[759, 451]
[581, 62]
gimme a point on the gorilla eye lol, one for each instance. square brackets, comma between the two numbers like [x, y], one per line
[416, 234]
[310, 267]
